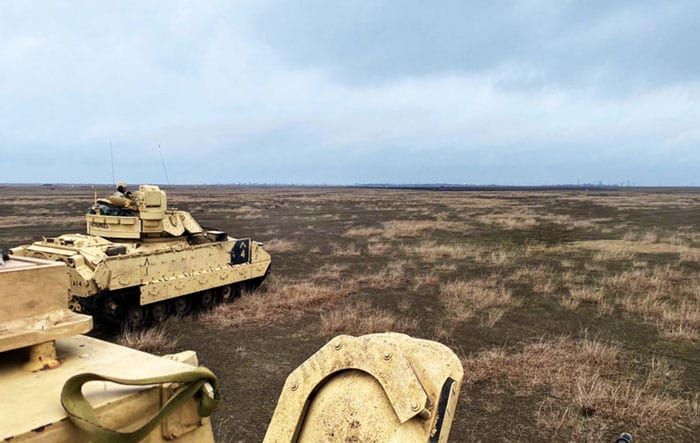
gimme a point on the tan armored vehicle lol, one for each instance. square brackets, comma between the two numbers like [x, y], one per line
[140, 261]
[44, 363]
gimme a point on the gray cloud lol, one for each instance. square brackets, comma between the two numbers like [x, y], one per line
[346, 92]
[531, 43]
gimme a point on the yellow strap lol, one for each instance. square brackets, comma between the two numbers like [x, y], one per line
[83, 415]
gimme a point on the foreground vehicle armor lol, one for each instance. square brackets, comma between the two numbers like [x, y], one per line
[60, 386]
[140, 261]
[45, 361]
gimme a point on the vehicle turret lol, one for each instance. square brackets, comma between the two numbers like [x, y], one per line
[142, 214]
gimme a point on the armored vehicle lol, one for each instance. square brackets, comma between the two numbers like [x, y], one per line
[141, 261]
[44, 363]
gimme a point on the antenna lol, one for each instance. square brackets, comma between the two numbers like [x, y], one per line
[162, 162]
[111, 154]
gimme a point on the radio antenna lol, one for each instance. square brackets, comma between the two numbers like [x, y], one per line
[111, 154]
[162, 162]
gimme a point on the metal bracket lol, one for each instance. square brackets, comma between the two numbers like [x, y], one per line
[373, 355]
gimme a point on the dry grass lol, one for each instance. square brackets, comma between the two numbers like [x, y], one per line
[425, 280]
[531, 273]
[13, 221]
[378, 248]
[361, 318]
[329, 272]
[689, 255]
[613, 255]
[350, 250]
[545, 286]
[583, 294]
[682, 320]
[391, 276]
[592, 388]
[363, 232]
[155, 340]
[510, 220]
[627, 248]
[279, 245]
[500, 257]
[540, 278]
[445, 267]
[659, 296]
[573, 278]
[566, 263]
[431, 252]
[276, 302]
[416, 228]
[464, 299]
[613, 258]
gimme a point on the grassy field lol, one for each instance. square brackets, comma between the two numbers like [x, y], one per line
[576, 314]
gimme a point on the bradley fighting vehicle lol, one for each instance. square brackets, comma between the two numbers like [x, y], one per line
[140, 261]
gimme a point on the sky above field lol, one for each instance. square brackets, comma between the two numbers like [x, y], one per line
[345, 92]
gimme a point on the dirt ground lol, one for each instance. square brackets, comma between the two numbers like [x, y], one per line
[576, 314]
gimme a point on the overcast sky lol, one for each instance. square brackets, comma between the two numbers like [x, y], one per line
[344, 92]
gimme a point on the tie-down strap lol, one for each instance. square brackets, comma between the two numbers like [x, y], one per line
[199, 383]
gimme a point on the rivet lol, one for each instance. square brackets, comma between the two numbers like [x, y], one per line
[338, 345]
[414, 406]
[294, 387]
[387, 355]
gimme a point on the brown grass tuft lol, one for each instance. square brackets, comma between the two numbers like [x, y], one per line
[659, 296]
[361, 318]
[430, 251]
[613, 255]
[275, 302]
[416, 228]
[363, 232]
[465, 299]
[346, 251]
[391, 276]
[155, 340]
[425, 280]
[510, 221]
[586, 294]
[590, 384]
[277, 245]
[329, 272]
[378, 247]
[499, 257]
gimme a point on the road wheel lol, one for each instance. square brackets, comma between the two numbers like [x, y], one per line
[182, 305]
[136, 316]
[229, 293]
[207, 299]
[161, 311]
[111, 307]
[225, 293]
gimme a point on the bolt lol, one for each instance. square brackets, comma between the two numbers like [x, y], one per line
[414, 406]
[338, 345]
[294, 386]
[387, 355]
